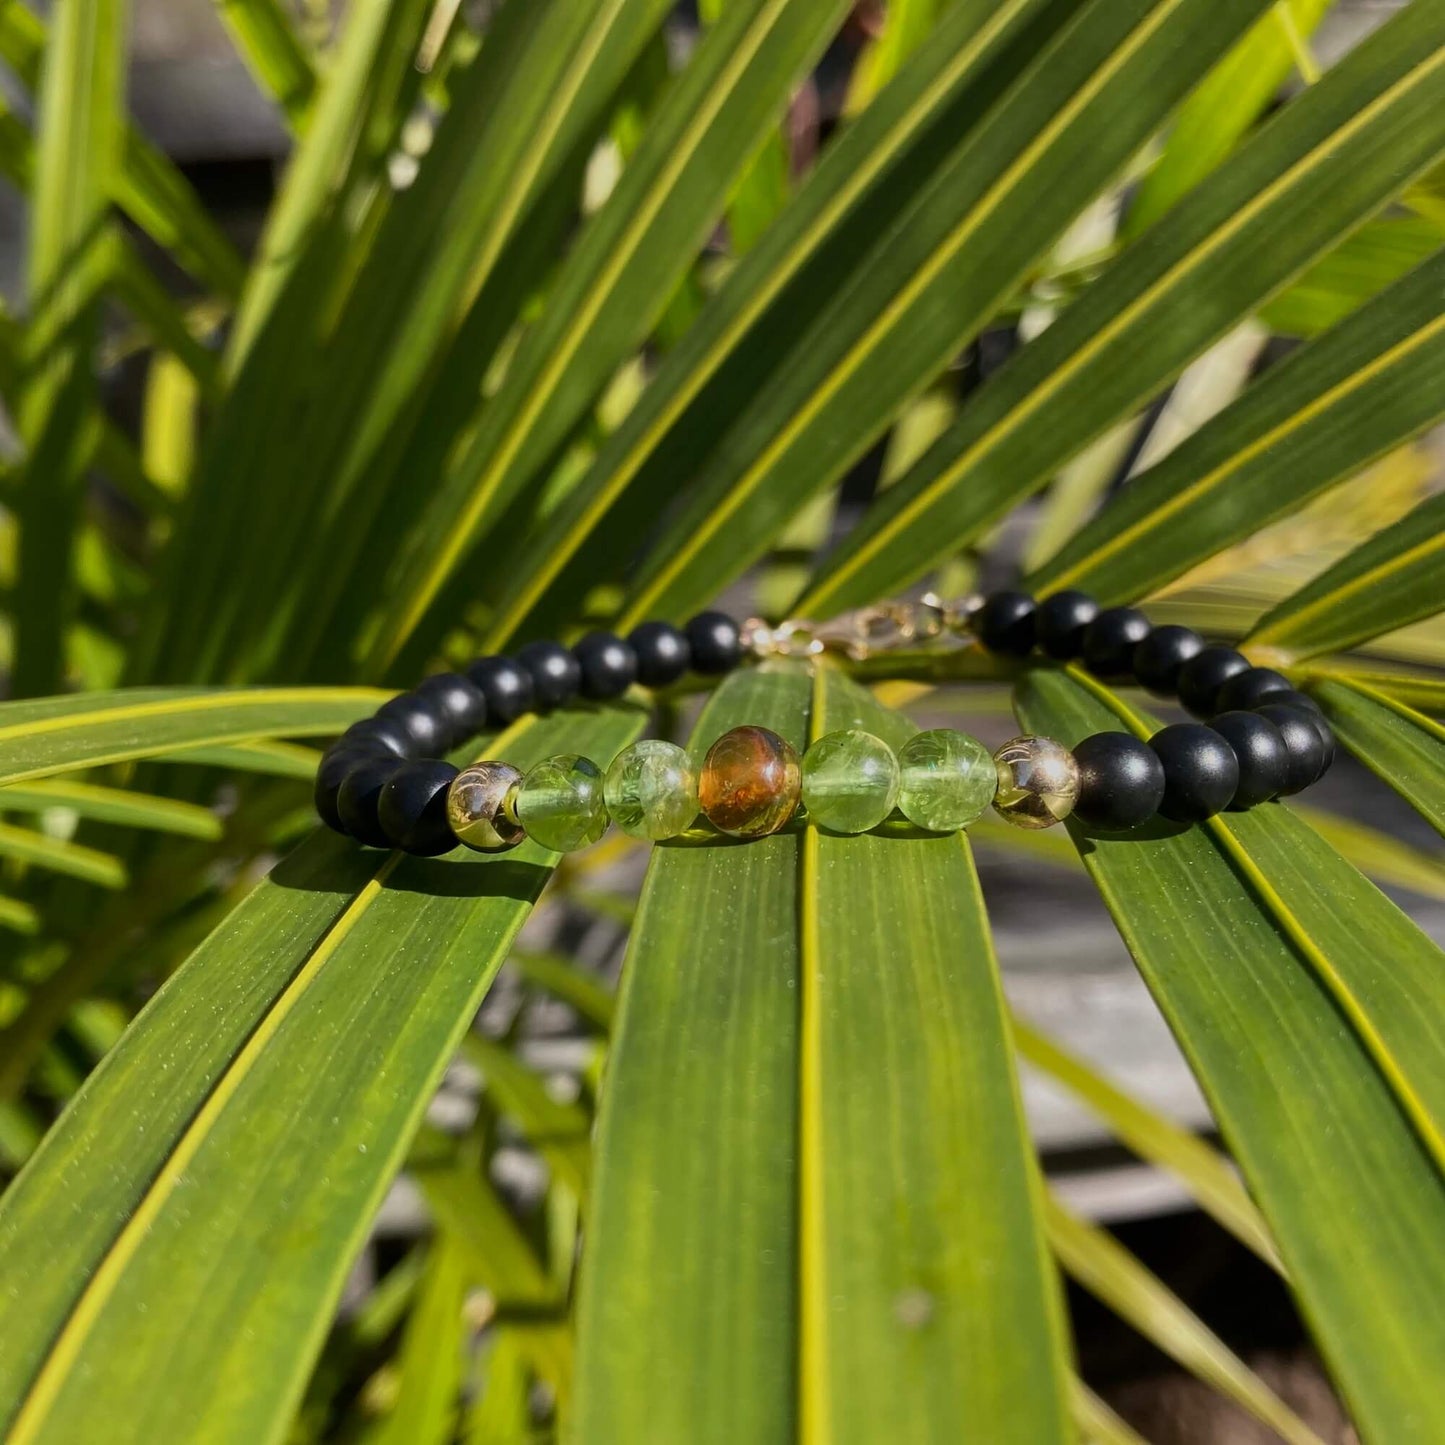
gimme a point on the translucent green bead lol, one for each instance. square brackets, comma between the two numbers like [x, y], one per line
[850, 781]
[651, 790]
[560, 803]
[949, 779]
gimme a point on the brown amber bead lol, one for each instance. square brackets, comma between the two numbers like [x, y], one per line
[750, 782]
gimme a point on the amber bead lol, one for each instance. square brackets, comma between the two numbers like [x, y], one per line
[750, 782]
[1038, 782]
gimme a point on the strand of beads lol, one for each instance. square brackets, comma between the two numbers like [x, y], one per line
[752, 782]
[1263, 739]
[386, 784]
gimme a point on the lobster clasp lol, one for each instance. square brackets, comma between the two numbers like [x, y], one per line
[888, 627]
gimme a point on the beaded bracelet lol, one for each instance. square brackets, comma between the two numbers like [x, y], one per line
[1264, 739]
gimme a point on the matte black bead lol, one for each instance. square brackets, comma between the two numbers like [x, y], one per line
[1121, 781]
[506, 685]
[663, 654]
[1305, 703]
[1261, 753]
[556, 676]
[413, 808]
[1111, 640]
[1201, 772]
[1202, 677]
[1250, 688]
[358, 796]
[380, 735]
[715, 642]
[1158, 659]
[421, 719]
[609, 665]
[462, 703]
[1005, 623]
[331, 772]
[1302, 740]
[1060, 621]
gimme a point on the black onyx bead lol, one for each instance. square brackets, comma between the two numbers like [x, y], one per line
[358, 796]
[1302, 741]
[609, 665]
[556, 676]
[1201, 772]
[330, 774]
[1121, 781]
[412, 809]
[662, 653]
[380, 735]
[506, 686]
[1260, 751]
[1158, 659]
[1005, 623]
[1202, 677]
[462, 704]
[421, 719]
[1250, 688]
[1111, 640]
[1305, 703]
[1060, 621]
[714, 642]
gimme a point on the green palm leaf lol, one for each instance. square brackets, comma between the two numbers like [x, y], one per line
[331, 960]
[1227, 247]
[825, 1049]
[1354, 394]
[1249, 1010]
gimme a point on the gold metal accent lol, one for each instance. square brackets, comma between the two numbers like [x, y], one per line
[477, 807]
[864, 632]
[1038, 782]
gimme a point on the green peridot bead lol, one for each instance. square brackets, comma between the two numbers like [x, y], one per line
[651, 790]
[850, 781]
[560, 803]
[949, 779]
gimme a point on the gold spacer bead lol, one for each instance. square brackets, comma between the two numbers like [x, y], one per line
[1038, 782]
[477, 807]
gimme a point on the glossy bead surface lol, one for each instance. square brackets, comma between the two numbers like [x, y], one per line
[946, 780]
[850, 781]
[1121, 781]
[1111, 640]
[1260, 751]
[420, 719]
[750, 782]
[714, 643]
[1250, 688]
[651, 790]
[1038, 782]
[478, 807]
[560, 803]
[1005, 624]
[413, 808]
[1201, 772]
[1060, 623]
[380, 735]
[609, 665]
[662, 653]
[556, 677]
[506, 685]
[1202, 678]
[460, 701]
[331, 772]
[359, 795]
[1157, 660]
[1302, 740]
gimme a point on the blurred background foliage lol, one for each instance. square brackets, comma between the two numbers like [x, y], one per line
[564, 313]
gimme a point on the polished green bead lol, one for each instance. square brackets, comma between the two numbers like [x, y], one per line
[560, 803]
[651, 790]
[949, 779]
[850, 781]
